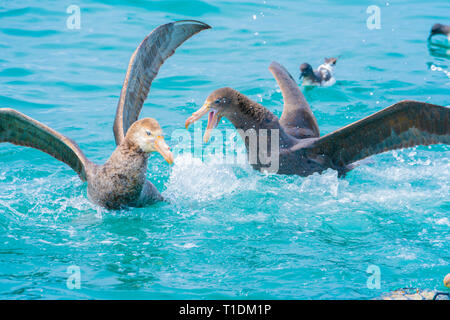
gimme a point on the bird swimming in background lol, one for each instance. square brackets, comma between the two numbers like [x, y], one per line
[301, 149]
[323, 76]
[121, 180]
[439, 29]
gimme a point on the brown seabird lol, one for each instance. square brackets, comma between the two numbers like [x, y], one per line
[121, 180]
[301, 149]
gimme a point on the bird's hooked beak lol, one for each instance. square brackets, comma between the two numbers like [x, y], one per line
[162, 147]
[213, 119]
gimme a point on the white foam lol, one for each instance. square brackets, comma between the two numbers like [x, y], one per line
[193, 179]
[188, 245]
[443, 222]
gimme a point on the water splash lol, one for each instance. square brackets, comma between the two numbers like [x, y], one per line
[191, 179]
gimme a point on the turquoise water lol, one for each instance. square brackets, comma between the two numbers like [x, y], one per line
[227, 231]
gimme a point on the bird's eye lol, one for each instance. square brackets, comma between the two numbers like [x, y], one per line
[217, 101]
[148, 133]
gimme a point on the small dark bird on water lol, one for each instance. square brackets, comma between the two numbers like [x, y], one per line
[441, 29]
[323, 76]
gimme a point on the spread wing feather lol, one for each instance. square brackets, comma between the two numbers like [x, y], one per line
[22, 130]
[297, 117]
[144, 66]
[402, 125]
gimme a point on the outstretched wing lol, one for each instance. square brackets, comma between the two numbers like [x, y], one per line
[402, 125]
[297, 117]
[144, 66]
[22, 130]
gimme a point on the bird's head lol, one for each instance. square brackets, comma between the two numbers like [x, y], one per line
[305, 70]
[219, 103]
[438, 29]
[147, 135]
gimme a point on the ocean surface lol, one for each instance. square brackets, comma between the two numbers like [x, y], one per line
[226, 231]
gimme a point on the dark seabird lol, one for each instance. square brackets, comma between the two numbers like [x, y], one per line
[121, 180]
[439, 29]
[323, 76]
[301, 149]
